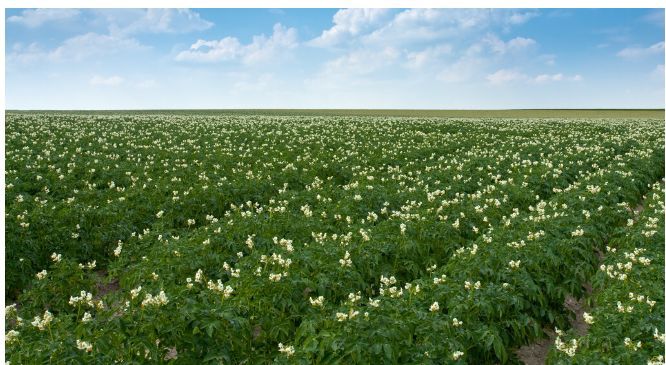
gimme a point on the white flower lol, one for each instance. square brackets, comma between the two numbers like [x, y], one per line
[593, 189]
[86, 317]
[249, 241]
[588, 318]
[578, 232]
[658, 360]
[631, 345]
[434, 307]
[346, 261]
[11, 337]
[41, 275]
[135, 292]
[457, 323]
[274, 277]
[456, 355]
[10, 310]
[198, 276]
[287, 350]
[403, 228]
[40, 322]
[319, 302]
[157, 301]
[159, 214]
[118, 249]
[567, 348]
[56, 257]
[83, 345]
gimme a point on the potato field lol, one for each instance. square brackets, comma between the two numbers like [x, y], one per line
[258, 239]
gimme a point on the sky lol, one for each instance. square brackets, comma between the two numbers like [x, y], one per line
[334, 58]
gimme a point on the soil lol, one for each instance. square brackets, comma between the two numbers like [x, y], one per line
[536, 352]
[104, 284]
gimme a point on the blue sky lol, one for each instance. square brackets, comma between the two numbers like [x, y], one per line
[334, 58]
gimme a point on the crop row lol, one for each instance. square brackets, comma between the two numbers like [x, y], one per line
[388, 241]
[103, 178]
[626, 322]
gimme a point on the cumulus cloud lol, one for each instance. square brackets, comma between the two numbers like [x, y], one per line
[349, 23]
[549, 77]
[499, 46]
[640, 52]
[543, 78]
[510, 75]
[262, 47]
[123, 22]
[33, 18]
[106, 81]
[75, 48]
[420, 25]
[361, 62]
[520, 18]
[427, 56]
[504, 75]
[26, 53]
[464, 69]
[92, 44]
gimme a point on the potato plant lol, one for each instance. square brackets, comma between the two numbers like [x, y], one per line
[141, 238]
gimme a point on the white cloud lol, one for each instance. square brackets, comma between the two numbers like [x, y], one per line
[208, 51]
[499, 46]
[639, 52]
[75, 48]
[520, 18]
[429, 55]
[548, 59]
[549, 77]
[503, 76]
[92, 44]
[658, 72]
[421, 25]
[466, 68]
[356, 68]
[509, 75]
[361, 62]
[106, 81]
[25, 54]
[123, 22]
[545, 78]
[415, 25]
[348, 23]
[262, 48]
[34, 18]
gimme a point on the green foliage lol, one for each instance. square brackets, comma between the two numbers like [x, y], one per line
[313, 240]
